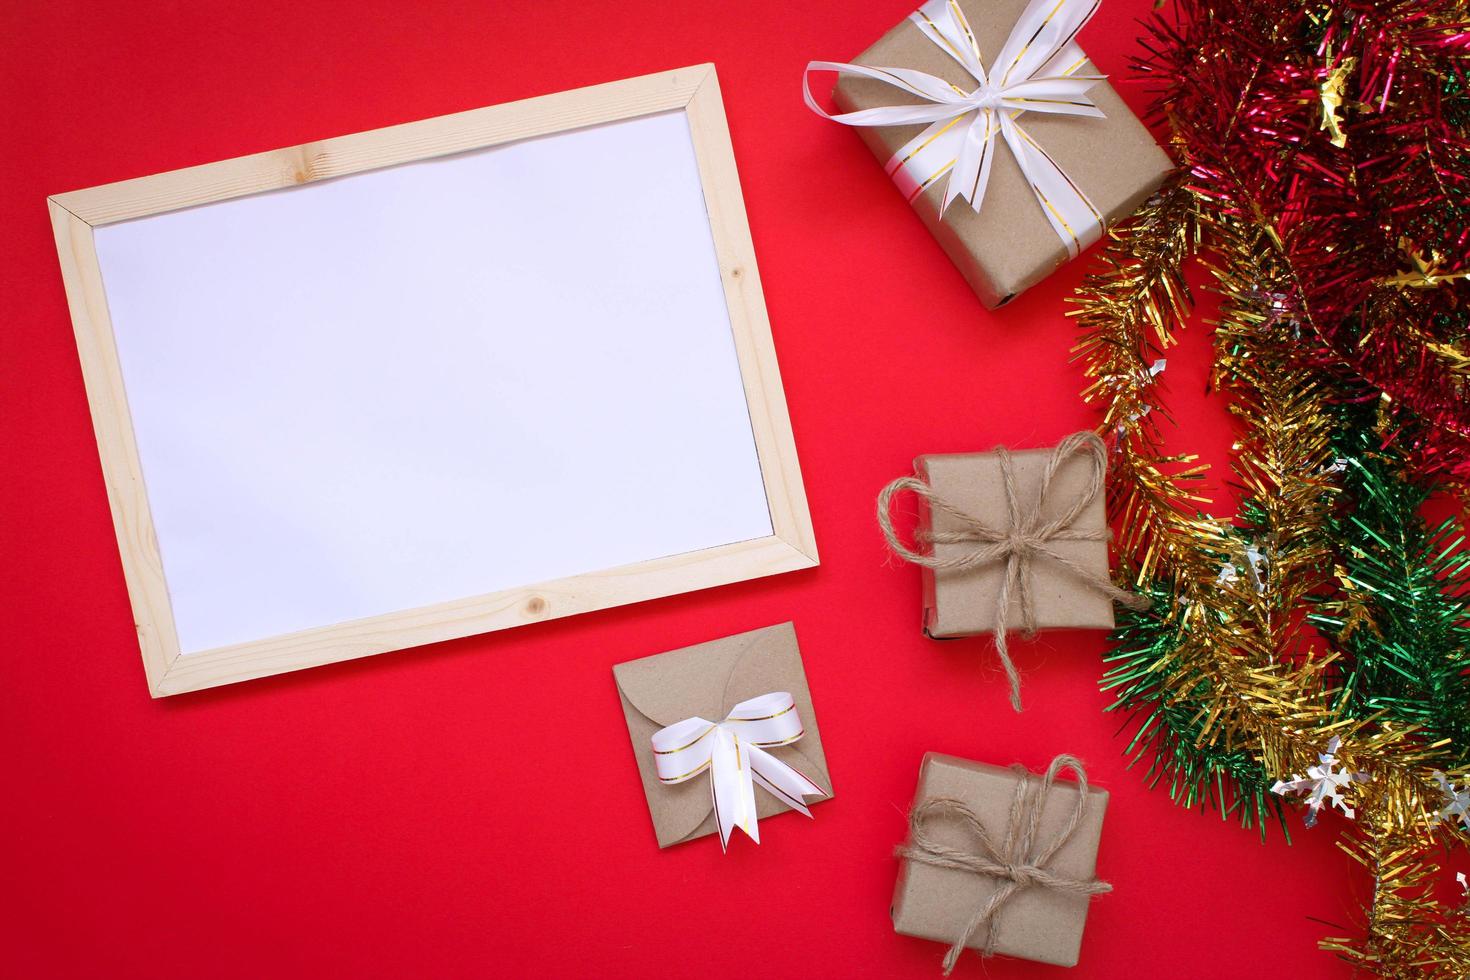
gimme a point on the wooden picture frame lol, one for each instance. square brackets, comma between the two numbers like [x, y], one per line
[695, 90]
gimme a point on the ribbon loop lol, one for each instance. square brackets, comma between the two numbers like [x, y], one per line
[1028, 538]
[1019, 862]
[1035, 70]
[735, 753]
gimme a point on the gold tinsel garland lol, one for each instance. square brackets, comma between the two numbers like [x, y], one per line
[1242, 654]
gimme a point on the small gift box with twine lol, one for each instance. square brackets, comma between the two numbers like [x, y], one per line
[1010, 541]
[1000, 860]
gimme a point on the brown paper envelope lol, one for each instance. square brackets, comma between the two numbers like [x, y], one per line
[1010, 246]
[1036, 924]
[707, 680]
[972, 482]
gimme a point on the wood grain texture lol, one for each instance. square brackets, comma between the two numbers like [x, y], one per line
[766, 398]
[791, 546]
[376, 148]
[482, 614]
[112, 422]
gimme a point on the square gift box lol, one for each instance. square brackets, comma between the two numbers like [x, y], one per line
[1009, 245]
[962, 601]
[1034, 923]
[707, 680]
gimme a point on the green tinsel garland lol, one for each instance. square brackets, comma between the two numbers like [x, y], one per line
[1198, 773]
[1400, 622]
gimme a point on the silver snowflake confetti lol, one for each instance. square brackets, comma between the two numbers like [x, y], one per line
[1322, 785]
[1255, 563]
[1457, 801]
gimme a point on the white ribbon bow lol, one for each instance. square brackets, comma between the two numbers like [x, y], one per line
[734, 752]
[1034, 71]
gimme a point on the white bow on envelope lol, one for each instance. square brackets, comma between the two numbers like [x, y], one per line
[734, 752]
[1035, 71]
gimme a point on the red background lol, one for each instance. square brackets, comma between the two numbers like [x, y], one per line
[384, 817]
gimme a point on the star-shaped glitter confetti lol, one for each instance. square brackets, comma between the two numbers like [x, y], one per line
[1457, 801]
[1424, 273]
[1322, 785]
[1333, 98]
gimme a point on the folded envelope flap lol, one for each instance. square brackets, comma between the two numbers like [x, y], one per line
[677, 809]
[774, 664]
[697, 680]
[707, 680]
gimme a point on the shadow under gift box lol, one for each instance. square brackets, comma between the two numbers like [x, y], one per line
[1009, 246]
[1035, 923]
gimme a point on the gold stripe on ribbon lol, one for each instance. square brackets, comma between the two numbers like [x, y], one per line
[964, 23]
[1022, 98]
[1070, 183]
[1027, 46]
[687, 744]
[791, 707]
[692, 772]
[784, 741]
[1052, 208]
[935, 176]
[940, 35]
[895, 165]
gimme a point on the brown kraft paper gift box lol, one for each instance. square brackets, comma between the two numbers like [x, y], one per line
[962, 601]
[1009, 245]
[1035, 923]
[708, 679]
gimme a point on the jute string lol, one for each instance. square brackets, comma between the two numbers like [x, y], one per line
[1018, 862]
[1028, 537]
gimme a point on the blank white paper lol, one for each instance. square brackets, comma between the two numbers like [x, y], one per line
[433, 381]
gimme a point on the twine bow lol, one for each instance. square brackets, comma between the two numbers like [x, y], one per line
[1027, 538]
[1019, 862]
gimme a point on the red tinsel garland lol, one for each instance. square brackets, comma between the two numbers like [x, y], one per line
[1364, 224]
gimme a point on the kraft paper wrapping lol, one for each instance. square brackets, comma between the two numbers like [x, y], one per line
[1009, 246]
[1035, 924]
[707, 680]
[962, 601]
